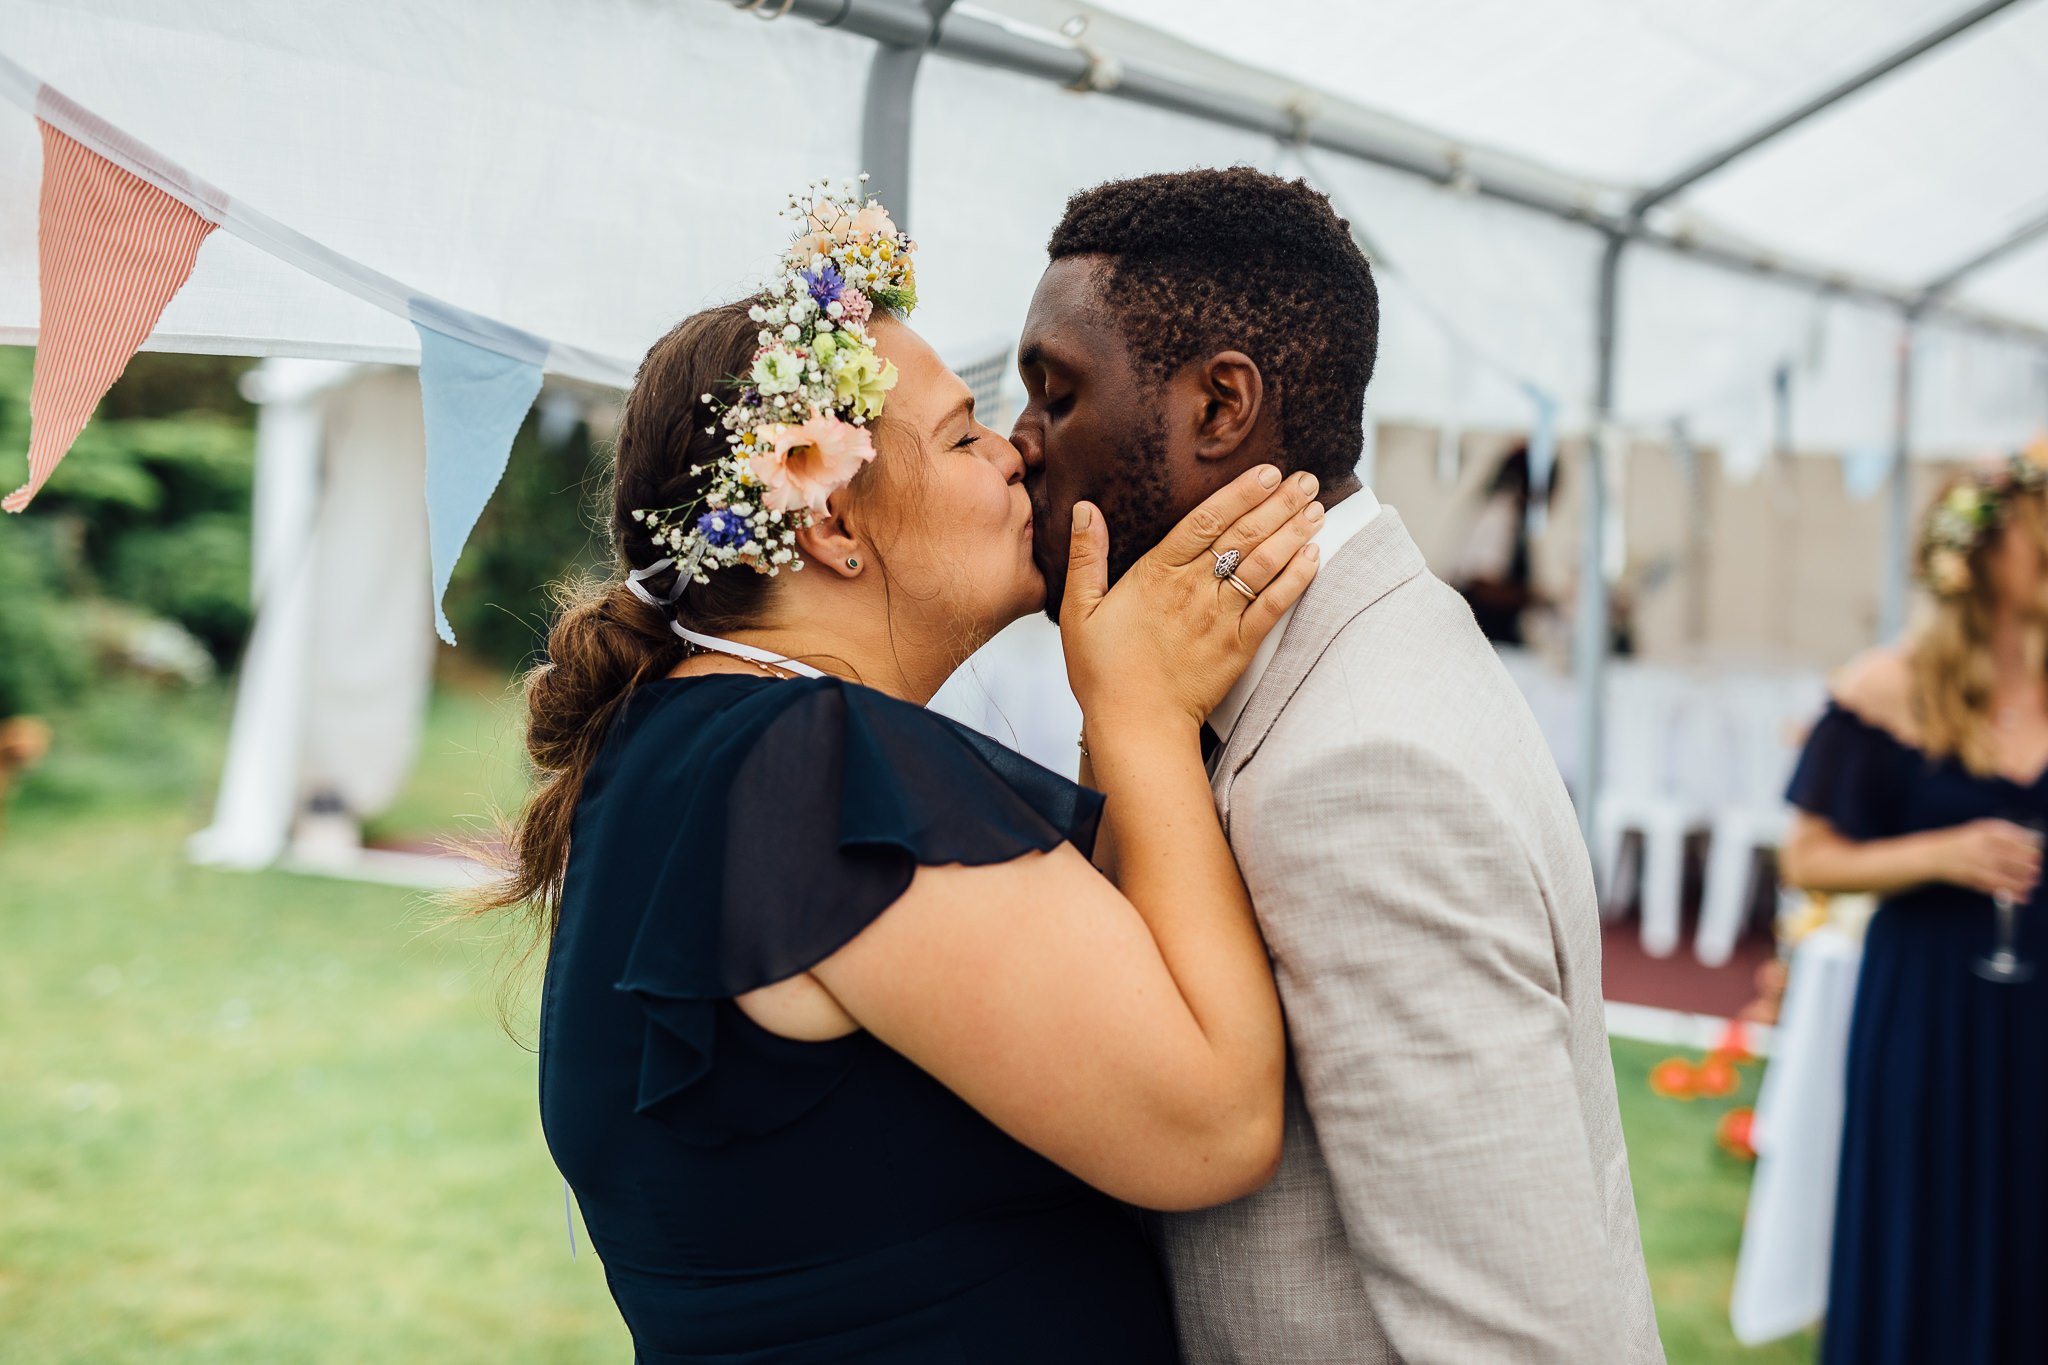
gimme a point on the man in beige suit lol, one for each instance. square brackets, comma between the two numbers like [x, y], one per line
[1454, 1188]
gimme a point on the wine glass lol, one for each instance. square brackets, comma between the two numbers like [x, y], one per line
[2003, 964]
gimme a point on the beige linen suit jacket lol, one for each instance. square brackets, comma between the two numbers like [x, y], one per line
[1454, 1188]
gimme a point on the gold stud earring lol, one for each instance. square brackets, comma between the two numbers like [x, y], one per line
[853, 563]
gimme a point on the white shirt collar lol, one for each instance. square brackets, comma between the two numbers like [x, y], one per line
[1344, 521]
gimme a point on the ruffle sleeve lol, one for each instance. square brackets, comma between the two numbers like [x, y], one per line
[1852, 775]
[792, 829]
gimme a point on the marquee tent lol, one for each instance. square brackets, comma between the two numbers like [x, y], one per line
[1591, 217]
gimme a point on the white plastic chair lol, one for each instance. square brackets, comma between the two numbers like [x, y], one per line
[1770, 710]
[1659, 736]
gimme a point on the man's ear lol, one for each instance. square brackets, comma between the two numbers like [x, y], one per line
[831, 545]
[1232, 394]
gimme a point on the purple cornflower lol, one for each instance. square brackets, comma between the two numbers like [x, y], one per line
[825, 283]
[723, 529]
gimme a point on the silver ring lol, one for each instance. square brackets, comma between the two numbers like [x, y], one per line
[1227, 562]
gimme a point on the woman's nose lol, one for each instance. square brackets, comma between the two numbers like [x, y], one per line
[1010, 460]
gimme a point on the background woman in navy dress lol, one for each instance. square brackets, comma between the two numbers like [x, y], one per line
[847, 1050]
[1917, 785]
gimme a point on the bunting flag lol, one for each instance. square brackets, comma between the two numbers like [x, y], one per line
[475, 398]
[120, 230]
[111, 251]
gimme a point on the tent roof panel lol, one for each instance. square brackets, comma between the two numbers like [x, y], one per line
[1619, 92]
[2017, 283]
[1913, 175]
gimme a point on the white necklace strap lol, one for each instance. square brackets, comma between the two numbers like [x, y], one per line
[633, 584]
[737, 650]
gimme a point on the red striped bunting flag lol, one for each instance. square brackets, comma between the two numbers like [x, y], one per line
[111, 250]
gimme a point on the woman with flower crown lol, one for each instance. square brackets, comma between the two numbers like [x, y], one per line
[848, 1050]
[1926, 784]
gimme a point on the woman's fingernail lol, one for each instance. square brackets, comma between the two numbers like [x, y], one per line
[1080, 516]
[1307, 482]
[1269, 477]
[1314, 552]
[1315, 511]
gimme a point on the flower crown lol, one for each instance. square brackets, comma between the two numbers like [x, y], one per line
[797, 431]
[1970, 512]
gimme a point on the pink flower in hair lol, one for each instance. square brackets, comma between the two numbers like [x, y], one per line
[854, 308]
[872, 222]
[809, 462]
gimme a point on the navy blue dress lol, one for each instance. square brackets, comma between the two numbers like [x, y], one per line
[1941, 1223]
[757, 1199]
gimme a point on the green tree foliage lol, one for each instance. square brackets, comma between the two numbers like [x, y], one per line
[540, 526]
[150, 509]
[43, 657]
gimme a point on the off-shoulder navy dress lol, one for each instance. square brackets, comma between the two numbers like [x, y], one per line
[1941, 1221]
[757, 1199]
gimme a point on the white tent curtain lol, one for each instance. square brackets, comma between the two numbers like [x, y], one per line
[333, 689]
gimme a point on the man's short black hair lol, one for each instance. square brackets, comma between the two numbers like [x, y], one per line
[1206, 261]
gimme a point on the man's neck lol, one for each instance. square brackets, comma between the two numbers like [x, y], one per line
[1332, 494]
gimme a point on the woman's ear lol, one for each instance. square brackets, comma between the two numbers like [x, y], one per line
[1232, 393]
[828, 543]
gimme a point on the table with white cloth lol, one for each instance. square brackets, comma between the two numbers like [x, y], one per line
[1781, 1277]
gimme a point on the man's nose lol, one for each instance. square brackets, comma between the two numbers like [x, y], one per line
[1025, 436]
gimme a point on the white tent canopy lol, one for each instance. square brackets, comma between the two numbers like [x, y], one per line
[592, 170]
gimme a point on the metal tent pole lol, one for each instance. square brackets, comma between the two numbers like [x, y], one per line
[990, 42]
[1591, 631]
[1895, 573]
[885, 114]
[1593, 626]
[1944, 283]
[1884, 66]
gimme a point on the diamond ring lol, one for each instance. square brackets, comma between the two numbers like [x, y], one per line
[1227, 562]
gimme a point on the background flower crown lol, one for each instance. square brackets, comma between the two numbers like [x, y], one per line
[1970, 512]
[797, 429]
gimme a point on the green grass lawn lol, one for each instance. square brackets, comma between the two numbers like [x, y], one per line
[265, 1118]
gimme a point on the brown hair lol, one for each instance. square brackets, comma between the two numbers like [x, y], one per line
[605, 641]
[1953, 675]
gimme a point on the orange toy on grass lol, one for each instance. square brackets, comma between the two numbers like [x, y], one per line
[1673, 1078]
[1736, 1133]
[1715, 1078]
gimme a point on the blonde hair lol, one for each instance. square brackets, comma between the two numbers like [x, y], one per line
[1953, 675]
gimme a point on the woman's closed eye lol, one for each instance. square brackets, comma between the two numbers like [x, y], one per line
[967, 441]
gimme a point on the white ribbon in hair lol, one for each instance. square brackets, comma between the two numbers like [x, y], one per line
[633, 584]
[734, 649]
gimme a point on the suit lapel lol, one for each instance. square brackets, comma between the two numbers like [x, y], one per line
[1370, 565]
